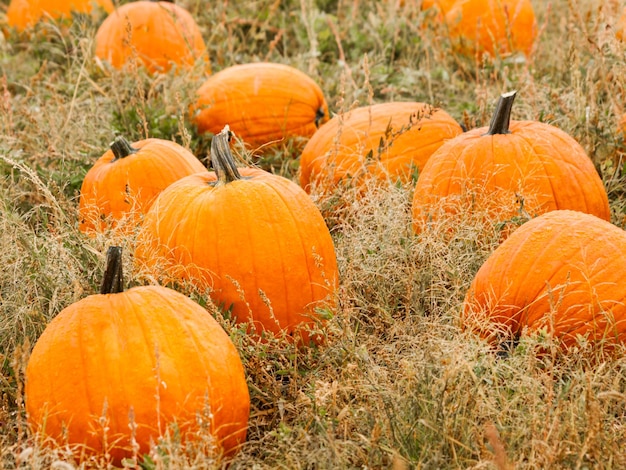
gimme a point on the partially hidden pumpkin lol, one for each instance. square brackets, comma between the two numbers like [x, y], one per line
[263, 103]
[116, 371]
[156, 34]
[254, 239]
[123, 183]
[23, 14]
[508, 169]
[560, 274]
[386, 141]
[495, 27]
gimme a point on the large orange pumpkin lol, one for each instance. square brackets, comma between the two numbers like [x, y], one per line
[255, 239]
[385, 141]
[261, 102]
[562, 274]
[157, 34]
[124, 182]
[23, 14]
[497, 27]
[508, 167]
[115, 371]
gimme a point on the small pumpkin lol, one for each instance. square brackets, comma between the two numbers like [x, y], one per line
[263, 103]
[560, 274]
[384, 141]
[114, 371]
[23, 14]
[157, 34]
[254, 239]
[508, 167]
[124, 182]
[495, 27]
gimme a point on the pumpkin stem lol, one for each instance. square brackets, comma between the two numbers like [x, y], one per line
[121, 148]
[502, 115]
[222, 159]
[113, 281]
[319, 115]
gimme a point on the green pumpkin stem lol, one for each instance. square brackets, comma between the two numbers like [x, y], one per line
[222, 159]
[502, 115]
[121, 148]
[113, 281]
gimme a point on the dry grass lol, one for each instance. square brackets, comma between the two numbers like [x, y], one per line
[398, 383]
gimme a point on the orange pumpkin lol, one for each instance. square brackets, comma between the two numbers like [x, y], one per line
[385, 141]
[255, 239]
[157, 34]
[114, 371]
[442, 6]
[496, 27]
[23, 14]
[261, 102]
[562, 274]
[124, 182]
[508, 167]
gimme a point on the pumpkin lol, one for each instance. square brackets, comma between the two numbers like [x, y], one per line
[560, 274]
[442, 6]
[385, 141]
[495, 27]
[620, 26]
[261, 102]
[508, 168]
[254, 239]
[114, 371]
[157, 34]
[124, 182]
[23, 14]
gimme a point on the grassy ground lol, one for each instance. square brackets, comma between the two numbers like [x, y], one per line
[399, 384]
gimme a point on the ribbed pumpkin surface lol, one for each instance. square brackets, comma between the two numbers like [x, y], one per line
[120, 187]
[252, 241]
[161, 34]
[261, 102]
[146, 357]
[385, 141]
[562, 272]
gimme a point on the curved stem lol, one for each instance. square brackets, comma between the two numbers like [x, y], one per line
[502, 115]
[113, 280]
[222, 159]
[121, 148]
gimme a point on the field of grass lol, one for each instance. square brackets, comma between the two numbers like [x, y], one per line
[399, 383]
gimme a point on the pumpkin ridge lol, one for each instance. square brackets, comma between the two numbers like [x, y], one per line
[291, 317]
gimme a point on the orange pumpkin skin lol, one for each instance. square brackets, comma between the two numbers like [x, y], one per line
[162, 34]
[563, 273]
[496, 27]
[534, 162]
[339, 150]
[442, 6]
[258, 233]
[261, 102]
[125, 186]
[110, 355]
[23, 14]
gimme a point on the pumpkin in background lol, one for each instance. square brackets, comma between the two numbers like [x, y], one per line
[388, 141]
[508, 168]
[124, 182]
[119, 367]
[442, 6]
[255, 239]
[496, 27]
[157, 34]
[23, 14]
[620, 26]
[561, 274]
[261, 102]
